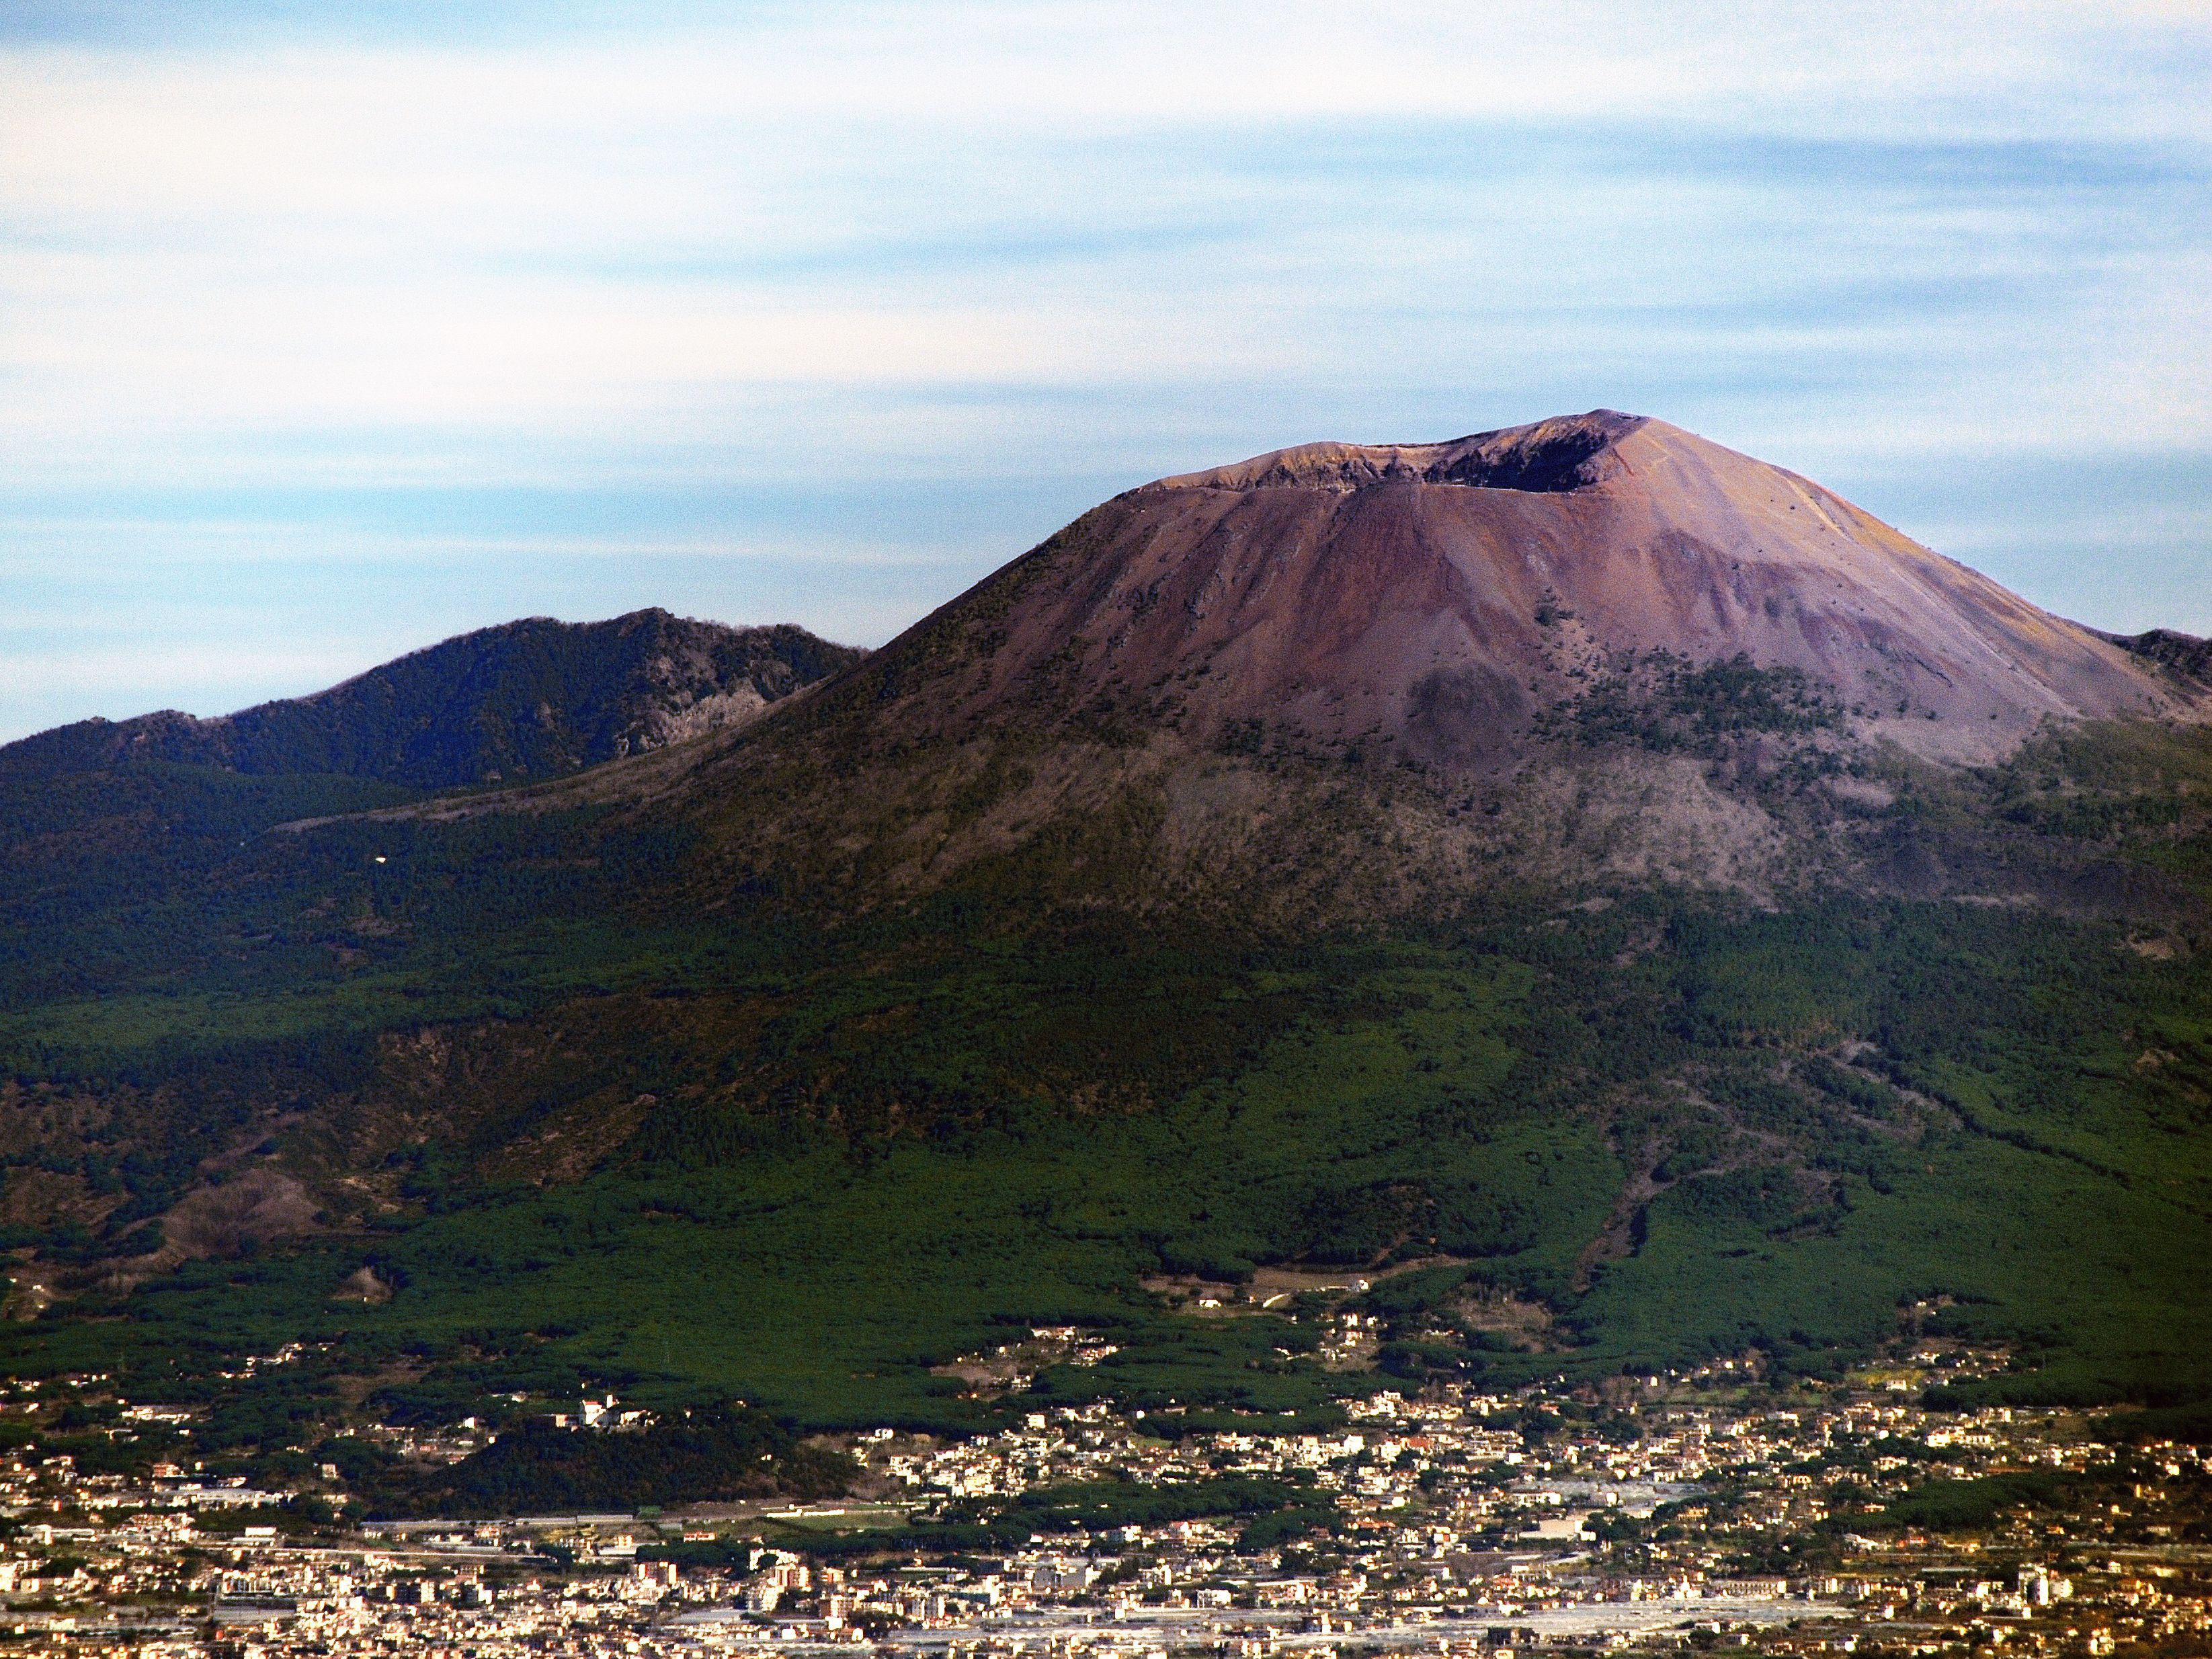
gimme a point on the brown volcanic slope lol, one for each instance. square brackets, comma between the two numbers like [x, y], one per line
[1442, 594]
[1241, 677]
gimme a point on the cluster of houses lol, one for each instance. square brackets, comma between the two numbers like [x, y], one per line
[1676, 1515]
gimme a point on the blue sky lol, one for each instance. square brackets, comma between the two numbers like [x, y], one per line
[322, 338]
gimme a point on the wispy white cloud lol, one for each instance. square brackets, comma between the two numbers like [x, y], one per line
[57, 547]
[405, 287]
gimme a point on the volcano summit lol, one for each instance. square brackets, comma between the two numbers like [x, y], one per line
[1592, 648]
[1642, 896]
[1443, 595]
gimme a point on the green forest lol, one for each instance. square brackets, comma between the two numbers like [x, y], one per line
[836, 1152]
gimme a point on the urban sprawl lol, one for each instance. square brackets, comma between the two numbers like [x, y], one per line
[1688, 1511]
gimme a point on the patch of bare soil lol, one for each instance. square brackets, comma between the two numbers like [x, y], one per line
[353, 1389]
[1489, 1309]
[1274, 1288]
[262, 1205]
[574, 1141]
[362, 1286]
[40, 1199]
[1010, 1367]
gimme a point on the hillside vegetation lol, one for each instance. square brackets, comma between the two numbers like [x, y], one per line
[532, 699]
[805, 1167]
[1024, 979]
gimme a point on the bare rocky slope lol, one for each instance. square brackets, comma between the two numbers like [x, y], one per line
[1595, 648]
[1443, 596]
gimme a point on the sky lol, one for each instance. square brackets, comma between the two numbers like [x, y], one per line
[329, 331]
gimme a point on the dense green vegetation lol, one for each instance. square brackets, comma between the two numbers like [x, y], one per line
[530, 699]
[535, 1469]
[921, 1149]
[1968, 1505]
[740, 1145]
[145, 898]
[1275, 1511]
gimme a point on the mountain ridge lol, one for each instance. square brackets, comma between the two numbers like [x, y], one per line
[1591, 647]
[530, 698]
[1140, 912]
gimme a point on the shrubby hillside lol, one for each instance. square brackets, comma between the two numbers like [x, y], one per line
[1622, 899]
[530, 699]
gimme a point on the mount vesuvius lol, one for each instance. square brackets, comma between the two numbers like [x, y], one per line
[1645, 902]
